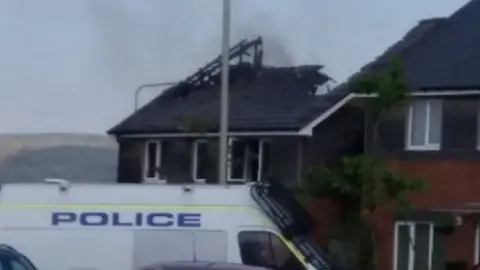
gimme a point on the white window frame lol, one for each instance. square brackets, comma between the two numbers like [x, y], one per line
[156, 179]
[476, 249]
[411, 255]
[478, 126]
[195, 161]
[427, 146]
[245, 162]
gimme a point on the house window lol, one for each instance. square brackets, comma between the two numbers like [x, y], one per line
[424, 125]
[249, 160]
[153, 161]
[413, 246]
[476, 255]
[478, 127]
[200, 161]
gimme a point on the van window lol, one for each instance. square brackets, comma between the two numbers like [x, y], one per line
[262, 248]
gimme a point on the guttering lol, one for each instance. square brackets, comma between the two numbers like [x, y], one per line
[203, 135]
[445, 93]
[307, 130]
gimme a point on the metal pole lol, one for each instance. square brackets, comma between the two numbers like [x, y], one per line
[150, 85]
[223, 152]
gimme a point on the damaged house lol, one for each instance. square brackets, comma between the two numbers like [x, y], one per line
[273, 131]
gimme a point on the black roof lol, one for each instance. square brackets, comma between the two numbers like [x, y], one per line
[439, 53]
[200, 266]
[262, 98]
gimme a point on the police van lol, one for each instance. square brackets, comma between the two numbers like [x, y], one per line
[61, 226]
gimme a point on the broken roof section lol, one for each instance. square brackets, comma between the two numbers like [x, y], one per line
[262, 98]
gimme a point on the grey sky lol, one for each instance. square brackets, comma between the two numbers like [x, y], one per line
[72, 66]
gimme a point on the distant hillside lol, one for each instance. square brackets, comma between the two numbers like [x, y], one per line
[75, 157]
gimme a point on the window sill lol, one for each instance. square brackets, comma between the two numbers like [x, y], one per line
[154, 181]
[237, 181]
[423, 148]
[199, 181]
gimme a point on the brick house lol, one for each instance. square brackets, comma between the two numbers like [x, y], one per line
[437, 138]
[281, 125]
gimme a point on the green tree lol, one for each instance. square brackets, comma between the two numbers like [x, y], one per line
[362, 184]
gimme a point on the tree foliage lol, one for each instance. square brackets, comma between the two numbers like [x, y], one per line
[389, 86]
[364, 180]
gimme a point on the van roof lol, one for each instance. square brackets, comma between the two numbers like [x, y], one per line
[128, 194]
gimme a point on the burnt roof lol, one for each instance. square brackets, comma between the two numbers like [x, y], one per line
[261, 98]
[439, 53]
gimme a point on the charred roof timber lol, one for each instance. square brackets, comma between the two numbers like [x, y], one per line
[262, 98]
[204, 76]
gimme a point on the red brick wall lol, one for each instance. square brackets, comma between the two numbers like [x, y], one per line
[450, 184]
[326, 214]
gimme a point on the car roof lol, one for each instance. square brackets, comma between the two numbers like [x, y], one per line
[187, 265]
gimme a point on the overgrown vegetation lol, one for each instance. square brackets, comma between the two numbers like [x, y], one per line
[363, 184]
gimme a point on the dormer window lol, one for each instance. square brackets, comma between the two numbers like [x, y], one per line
[424, 125]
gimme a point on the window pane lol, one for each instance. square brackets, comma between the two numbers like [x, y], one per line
[202, 160]
[478, 125]
[418, 125]
[403, 246]
[238, 159]
[151, 159]
[439, 254]
[165, 157]
[253, 159]
[254, 249]
[267, 250]
[421, 248]
[282, 256]
[435, 131]
[265, 173]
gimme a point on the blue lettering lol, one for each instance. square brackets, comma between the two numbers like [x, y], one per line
[94, 219]
[63, 217]
[117, 222]
[160, 219]
[138, 219]
[118, 219]
[189, 220]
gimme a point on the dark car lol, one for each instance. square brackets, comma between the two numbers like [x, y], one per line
[11, 259]
[200, 266]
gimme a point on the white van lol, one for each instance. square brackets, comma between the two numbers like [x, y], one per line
[126, 226]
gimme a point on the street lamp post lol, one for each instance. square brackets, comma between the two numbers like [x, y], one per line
[150, 85]
[223, 149]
